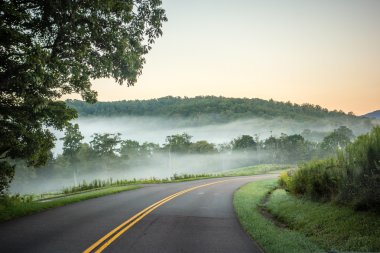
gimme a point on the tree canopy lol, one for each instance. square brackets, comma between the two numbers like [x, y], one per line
[244, 142]
[338, 139]
[52, 48]
[178, 143]
[72, 140]
[213, 109]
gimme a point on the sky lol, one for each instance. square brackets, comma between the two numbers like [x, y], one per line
[324, 52]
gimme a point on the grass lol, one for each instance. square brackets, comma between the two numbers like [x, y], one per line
[12, 207]
[333, 227]
[255, 170]
[97, 183]
[100, 184]
[16, 206]
[270, 237]
[350, 178]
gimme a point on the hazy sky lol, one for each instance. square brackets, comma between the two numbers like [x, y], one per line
[323, 52]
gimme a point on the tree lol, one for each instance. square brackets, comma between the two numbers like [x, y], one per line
[202, 147]
[293, 147]
[149, 148]
[338, 139]
[71, 146]
[178, 143]
[72, 140]
[52, 48]
[244, 142]
[106, 145]
[129, 149]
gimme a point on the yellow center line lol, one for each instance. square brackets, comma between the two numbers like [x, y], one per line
[122, 225]
[122, 228]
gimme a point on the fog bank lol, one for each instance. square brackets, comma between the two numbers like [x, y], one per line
[154, 129]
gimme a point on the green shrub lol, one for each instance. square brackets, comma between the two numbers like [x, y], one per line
[361, 184]
[351, 178]
[318, 179]
[283, 180]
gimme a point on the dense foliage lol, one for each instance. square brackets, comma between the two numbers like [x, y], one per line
[352, 177]
[211, 108]
[52, 48]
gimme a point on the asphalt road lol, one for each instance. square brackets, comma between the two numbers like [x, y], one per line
[201, 220]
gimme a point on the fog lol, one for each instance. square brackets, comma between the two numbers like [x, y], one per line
[154, 129]
[161, 164]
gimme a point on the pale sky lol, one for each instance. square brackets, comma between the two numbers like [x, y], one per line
[324, 52]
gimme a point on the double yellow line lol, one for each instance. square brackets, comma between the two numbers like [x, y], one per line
[106, 240]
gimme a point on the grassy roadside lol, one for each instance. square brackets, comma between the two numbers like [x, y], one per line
[14, 208]
[255, 170]
[98, 184]
[17, 206]
[333, 227]
[270, 237]
[311, 226]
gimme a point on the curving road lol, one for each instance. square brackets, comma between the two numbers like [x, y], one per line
[199, 219]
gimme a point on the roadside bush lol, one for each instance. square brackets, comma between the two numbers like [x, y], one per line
[318, 179]
[7, 200]
[284, 179]
[361, 184]
[351, 178]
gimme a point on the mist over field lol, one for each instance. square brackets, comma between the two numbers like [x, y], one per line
[156, 129]
[162, 163]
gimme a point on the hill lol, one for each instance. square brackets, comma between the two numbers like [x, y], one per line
[374, 115]
[219, 107]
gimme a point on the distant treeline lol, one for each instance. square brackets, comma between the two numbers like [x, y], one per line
[216, 109]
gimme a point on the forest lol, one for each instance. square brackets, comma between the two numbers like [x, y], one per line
[211, 109]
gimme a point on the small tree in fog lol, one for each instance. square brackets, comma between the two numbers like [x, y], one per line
[72, 140]
[244, 142]
[202, 147]
[338, 139]
[129, 149]
[71, 145]
[106, 145]
[178, 143]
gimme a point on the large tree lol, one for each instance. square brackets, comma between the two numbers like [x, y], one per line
[50, 48]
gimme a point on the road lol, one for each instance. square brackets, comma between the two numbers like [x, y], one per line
[199, 219]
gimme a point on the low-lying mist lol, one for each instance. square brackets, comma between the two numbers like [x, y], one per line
[160, 165]
[154, 129]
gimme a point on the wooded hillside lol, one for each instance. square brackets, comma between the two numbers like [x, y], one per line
[219, 108]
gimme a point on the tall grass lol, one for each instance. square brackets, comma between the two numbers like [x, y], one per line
[99, 183]
[351, 178]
